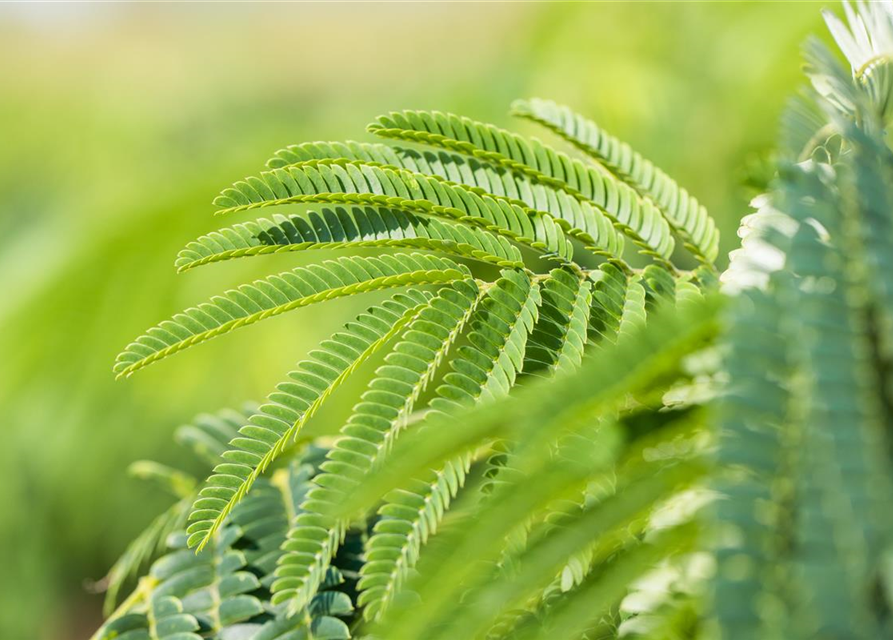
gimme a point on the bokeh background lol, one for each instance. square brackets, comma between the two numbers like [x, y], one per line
[120, 122]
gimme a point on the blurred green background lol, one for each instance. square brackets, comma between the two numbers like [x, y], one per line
[119, 123]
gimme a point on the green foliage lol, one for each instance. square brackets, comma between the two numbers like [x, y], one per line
[224, 590]
[276, 424]
[804, 535]
[686, 216]
[278, 294]
[547, 437]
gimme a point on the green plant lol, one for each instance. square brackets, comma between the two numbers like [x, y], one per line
[452, 505]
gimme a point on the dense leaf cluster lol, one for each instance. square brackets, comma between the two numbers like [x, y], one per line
[570, 435]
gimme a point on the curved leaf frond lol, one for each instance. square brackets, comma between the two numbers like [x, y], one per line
[579, 218]
[351, 182]
[346, 229]
[277, 294]
[687, 216]
[639, 218]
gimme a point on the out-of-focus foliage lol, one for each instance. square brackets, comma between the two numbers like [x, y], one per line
[804, 530]
[117, 122]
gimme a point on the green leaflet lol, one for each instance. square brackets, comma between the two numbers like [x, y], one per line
[486, 368]
[633, 315]
[577, 217]
[638, 218]
[687, 216]
[348, 229]
[688, 289]
[168, 622]
[367, 438]
[560, 336]
[326, 628]
[618, 304]
[277, 294]
[277, 424]
[661, 286]
[132, 626]
[349, 182]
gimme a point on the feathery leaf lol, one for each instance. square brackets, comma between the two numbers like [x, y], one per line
[274, 295]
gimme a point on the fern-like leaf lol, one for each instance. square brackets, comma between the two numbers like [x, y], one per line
[638, 218]
[274, 295]
[348, 229]
[687, 216]
[577, 217]
[752, 465]
[351, 182]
